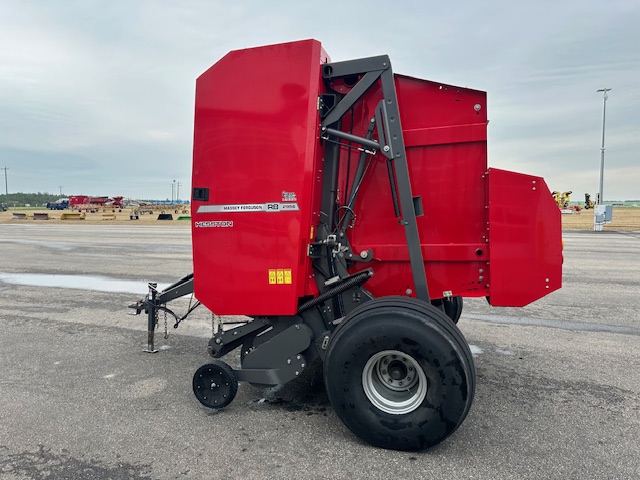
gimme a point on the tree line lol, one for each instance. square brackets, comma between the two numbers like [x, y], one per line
[24, 199]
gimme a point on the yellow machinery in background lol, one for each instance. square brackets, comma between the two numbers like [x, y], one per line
[562, 199]
[587, 201]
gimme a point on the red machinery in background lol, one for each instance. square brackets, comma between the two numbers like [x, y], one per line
[347, 210]
[85, 202]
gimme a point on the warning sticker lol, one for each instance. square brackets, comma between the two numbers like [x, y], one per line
[280, 276]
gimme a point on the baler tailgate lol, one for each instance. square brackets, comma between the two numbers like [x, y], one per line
[526, 244]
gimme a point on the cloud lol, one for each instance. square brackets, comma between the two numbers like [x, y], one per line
[107, 88]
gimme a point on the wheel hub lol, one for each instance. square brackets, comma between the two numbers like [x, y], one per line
[394, 382]
[397, 370]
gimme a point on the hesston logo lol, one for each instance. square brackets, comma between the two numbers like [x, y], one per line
[223, 224]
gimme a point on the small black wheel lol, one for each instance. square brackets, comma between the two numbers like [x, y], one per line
[399, 374]
[215, 384]
[452, 307]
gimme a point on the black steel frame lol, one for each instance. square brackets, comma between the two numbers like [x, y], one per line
[390, 143]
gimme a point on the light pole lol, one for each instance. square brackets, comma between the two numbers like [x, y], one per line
[601, 214]
[604, 113]
[6, 188]
[173, 189]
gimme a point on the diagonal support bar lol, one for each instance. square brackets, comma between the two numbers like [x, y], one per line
[351, 98]
[396, 142]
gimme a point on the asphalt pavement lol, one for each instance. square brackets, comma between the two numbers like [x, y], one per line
[558, 394]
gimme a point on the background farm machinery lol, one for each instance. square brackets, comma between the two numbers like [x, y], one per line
[562, 199]
[85, 203]
[588, 203]
[322, 210]
[160, 207]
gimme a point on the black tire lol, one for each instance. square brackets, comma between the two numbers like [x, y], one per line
[215, 384]
[452, 307]
[419, 338]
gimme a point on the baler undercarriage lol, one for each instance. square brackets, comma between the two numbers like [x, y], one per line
[331, 277]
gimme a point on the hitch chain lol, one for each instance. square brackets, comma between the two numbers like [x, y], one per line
[166, 332]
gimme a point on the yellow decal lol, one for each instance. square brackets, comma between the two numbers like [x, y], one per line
[280, 276]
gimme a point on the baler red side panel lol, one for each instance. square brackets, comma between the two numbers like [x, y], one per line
[525, 237]
[444, 129]
[256, 150]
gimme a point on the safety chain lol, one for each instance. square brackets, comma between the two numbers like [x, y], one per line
[166, 332]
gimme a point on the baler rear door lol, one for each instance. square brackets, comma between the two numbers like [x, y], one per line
[525, 239]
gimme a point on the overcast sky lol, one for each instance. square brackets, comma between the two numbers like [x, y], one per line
[96, 97]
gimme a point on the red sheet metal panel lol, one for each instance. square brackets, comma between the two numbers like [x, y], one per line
[445, 133]
[256, 150]
[525, 237]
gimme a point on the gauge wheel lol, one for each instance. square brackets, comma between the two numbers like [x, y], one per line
[215, 384]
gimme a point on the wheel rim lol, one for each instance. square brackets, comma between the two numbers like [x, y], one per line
[394, 382]
[212, 387]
